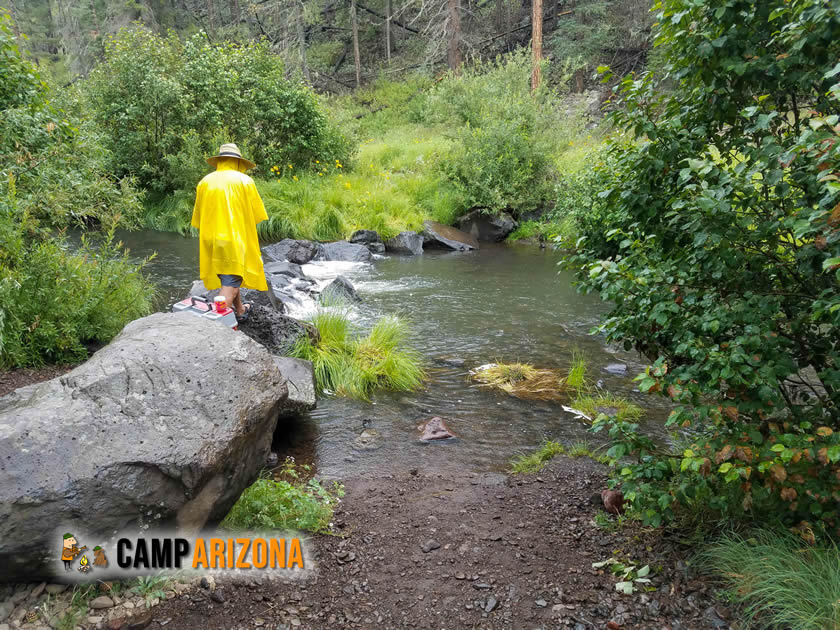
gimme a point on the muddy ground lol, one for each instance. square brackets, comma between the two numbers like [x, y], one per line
[10, 380]
[422, 550]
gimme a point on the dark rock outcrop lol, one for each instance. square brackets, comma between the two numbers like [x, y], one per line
[342, 250]
[370, 239]
[447, 237]
[164, 426]
[486, 228]
[295, 251]
[277, 332]
[407, 242]
[340, 289]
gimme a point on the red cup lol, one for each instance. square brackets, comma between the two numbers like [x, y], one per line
[220, 303]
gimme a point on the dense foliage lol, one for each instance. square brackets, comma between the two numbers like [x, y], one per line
[56, 301]
[286, 502]
[718, 242]
[166, 105]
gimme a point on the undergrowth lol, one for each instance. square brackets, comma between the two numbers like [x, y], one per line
[780, 580]
[285, 503]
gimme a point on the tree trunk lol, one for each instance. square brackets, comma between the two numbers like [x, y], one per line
[211, 16]
[536, 41]
[235, 12]
[454, 53]
[388, 31]
[15, 18]
[301, 37]
[356, 58]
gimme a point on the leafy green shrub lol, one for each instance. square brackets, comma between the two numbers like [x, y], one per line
[56, 301]
[502, 160]
[60, 300]
[355, 366]
[780, 581]
[721, 254]
[285, 504]
[163, 101]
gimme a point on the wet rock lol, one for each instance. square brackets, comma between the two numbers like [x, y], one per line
[451, 361]
[272, 460]
[619, 369]
[196, 405]
[613, 501]
[295, 251]
[434, 429]
[341, 290]
[486, 228]
[364, 237]
[368, 439]
[490, 604]
[342, 250]
[299, 377]
[218, 596]
[274, 330]
[284, 268]
[446, 237]
[405, 243]
[430, 545]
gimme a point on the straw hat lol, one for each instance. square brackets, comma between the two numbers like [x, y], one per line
[229, 150]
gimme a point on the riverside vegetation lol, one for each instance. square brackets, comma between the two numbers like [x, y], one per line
[708, 219]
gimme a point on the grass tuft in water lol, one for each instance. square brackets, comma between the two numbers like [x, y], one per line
[534, 462]
[780, 581]
[608, 404]
[353, 366]
[523, 380]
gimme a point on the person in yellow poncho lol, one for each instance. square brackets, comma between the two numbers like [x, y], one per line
[227, 210]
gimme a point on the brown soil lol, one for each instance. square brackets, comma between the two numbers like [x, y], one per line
[424, 550]
[10, 380]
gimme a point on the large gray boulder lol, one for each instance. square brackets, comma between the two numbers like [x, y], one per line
[342, 250]
[299, 377]
[447, 237]
[296, 251]
[487, 228]
[407, 242]
[165, 426]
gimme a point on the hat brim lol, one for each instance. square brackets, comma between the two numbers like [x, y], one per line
[212, 161]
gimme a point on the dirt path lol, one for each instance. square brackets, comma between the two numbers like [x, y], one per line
[481, 551]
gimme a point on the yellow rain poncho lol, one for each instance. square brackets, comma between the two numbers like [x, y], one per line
[227, 210]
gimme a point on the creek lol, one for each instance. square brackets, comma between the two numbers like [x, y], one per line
[500, 303]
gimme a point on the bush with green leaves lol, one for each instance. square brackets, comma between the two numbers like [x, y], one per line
[164, 102]
[57, 301]
[720, 252]
[285, 503]
[506, 134]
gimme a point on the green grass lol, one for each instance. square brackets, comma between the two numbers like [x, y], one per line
[607, 403]
[290, 503]
[779, 580]
[348, 364]
[534, 462]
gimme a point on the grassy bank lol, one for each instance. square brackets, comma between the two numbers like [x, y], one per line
[403, 170]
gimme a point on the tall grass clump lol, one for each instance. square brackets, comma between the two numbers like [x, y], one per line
[780, 581]
[608, 404]
[351, 365]
[287, 502]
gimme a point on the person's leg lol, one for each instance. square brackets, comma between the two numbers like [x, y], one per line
[230, 290]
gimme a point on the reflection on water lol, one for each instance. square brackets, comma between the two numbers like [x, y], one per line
[497, 304]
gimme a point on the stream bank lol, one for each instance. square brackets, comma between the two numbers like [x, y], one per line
[431, 549]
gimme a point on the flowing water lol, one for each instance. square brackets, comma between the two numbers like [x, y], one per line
[501, 303]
